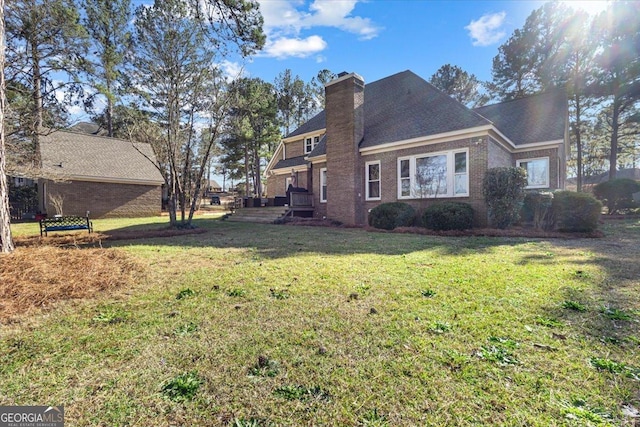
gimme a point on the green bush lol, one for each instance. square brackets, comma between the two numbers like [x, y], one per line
[448, 216]
[537, 209]
[576, 211]
[503, 190]
[617, 194]
[388, 216]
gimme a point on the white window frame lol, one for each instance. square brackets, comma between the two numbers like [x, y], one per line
[367, 182]
[547, 185]
[287, 182]
[323, 183]
[450, 178]
[310, 143]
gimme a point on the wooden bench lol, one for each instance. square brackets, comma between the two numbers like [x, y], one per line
[64, 223]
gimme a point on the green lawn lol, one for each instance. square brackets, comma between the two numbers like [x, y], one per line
[278, 325]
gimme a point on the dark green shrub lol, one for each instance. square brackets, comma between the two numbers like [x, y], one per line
[448, 216]
[537, 210]
[617, 194]
[503, 190]
[576, 211]
[388, 216]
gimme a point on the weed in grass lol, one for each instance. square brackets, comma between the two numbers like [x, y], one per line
[186, 329]
[110, 316]
[182, 387]
[236, 292]
[250, 422]
[374, 419]
[615, 313]
[428, 293]
[185, 293]
[579, 411]
[581, 274]
[298, 392]
[278, 294]
[363, 288]
[499, 351]
[440, 327]
[574, 305]
[614, 367]
[265, 367]
[549, 322]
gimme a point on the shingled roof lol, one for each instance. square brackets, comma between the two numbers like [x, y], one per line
[536, 118]
[405, 106]
[87, 157]
[291, 162]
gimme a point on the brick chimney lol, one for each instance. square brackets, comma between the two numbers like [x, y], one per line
[344, 107]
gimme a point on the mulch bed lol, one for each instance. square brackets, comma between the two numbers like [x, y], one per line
[35, 278]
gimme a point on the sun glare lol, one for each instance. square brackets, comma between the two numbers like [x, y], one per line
[591, 7]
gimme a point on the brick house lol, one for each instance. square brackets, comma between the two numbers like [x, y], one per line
[401, 139]
[107, 176]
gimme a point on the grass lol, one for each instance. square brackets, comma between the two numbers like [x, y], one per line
[270, 334]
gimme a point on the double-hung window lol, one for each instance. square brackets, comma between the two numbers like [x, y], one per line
[442, 174]
[537, 171]
[310, 143]
[372, 171]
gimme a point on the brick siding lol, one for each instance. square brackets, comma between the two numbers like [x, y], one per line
[105, 200]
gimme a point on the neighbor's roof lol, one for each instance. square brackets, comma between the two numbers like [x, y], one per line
[405, 106]
[536, 118]
[86, 157]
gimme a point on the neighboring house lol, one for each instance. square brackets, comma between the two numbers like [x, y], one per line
[401, 139]
[108, 177]
[590, 181]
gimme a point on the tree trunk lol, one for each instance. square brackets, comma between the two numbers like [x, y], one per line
[109, 114]
[613, 156]
[6, 241]
[37, 106]
[246, 171]
[578, 143]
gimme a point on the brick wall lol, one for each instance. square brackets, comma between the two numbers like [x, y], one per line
[476, 169]
[556, 173]
[276, 184]
[345, 129]
[294, 149]
[320, 209]
[499, 156]
[105, 200]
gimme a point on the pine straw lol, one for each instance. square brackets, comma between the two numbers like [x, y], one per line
[36, 277]
[81, 239]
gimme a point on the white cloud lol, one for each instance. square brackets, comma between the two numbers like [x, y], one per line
[487, 30]
[284, 20]
[301, 48]
[232, 70]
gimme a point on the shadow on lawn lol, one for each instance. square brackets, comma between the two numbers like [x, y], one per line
[608, 308]
[277, 241]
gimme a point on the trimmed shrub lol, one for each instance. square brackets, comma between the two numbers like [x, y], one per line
[576, 211]
[537, 209]
[448, 216]
[617, 194]
[388, 216]
[503, 190]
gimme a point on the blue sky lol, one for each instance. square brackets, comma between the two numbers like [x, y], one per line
[377, 38]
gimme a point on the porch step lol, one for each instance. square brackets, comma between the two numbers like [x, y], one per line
[266, 215]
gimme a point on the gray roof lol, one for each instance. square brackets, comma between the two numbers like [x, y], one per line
[405, 106]
[76, 156]
[291, 162]
[536, 118]
[88, 128]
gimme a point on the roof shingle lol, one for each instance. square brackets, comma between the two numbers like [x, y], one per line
[76, 156]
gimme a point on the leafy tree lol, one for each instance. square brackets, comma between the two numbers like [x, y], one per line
[107, 22]
[43, 37]
[294, 100]
[6, 240]
[458, 84]
[618, 73]
[512, 68]
[316, 86]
